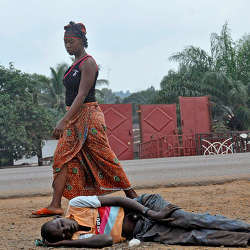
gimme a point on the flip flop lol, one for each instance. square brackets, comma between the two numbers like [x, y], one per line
[45, 212]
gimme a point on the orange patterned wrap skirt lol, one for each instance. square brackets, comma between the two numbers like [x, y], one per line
[92, 167]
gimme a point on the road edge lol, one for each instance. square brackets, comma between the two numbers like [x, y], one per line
[171, 183]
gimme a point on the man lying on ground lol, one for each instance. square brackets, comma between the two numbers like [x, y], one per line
[93, 221]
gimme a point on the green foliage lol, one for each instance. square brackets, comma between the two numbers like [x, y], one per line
[101, 82]
[147, 96]
[122, 94]
[142, 97]
[102, 94]
[24, 123]
[106, 96]
[52, 94]
[223, 75]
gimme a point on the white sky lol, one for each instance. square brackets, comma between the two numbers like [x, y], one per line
[131, 39]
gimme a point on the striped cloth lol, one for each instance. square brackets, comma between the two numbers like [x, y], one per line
[111, 220]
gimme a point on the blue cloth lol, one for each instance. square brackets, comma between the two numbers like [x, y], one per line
[85, 201]
[190, 228]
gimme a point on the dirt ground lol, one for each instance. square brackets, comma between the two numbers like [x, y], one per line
[18, 230]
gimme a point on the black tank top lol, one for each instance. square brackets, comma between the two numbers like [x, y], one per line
[71, 81]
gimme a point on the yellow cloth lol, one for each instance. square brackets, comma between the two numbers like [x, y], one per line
[88, 216]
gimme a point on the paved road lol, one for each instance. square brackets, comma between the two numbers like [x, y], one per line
[142, 173]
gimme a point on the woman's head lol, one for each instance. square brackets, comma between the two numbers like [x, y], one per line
[75, 37]
[58, 229]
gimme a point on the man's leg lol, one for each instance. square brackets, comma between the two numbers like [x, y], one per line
[206, 221]
[203, 237]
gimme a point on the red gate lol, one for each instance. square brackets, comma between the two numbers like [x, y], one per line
[195, 115]
[168, 146]
[118, 119]
[157, 120]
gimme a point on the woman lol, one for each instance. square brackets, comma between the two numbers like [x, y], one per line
[84, 163]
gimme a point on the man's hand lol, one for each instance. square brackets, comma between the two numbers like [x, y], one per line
[163, 214]
[95, 241]
[55, 244]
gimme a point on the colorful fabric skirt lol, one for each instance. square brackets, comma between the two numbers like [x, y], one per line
[92, 167]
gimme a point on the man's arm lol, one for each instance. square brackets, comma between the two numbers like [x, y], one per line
[128, 203]
[95, 241]
[94, 202]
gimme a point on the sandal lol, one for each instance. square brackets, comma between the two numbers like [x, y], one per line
[45, 212]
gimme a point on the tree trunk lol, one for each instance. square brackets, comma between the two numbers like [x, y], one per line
[6, 159]
[40, 153]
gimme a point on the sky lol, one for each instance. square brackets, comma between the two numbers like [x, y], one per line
[131, 40]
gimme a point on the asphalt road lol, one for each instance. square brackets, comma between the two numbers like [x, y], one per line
[194, 170]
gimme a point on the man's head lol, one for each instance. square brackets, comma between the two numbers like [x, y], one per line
[58, 229]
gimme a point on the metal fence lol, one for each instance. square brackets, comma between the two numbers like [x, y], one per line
[223, 143]
[199, 144]
[168, 146]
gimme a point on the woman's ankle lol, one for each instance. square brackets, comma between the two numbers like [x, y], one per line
[55, 205]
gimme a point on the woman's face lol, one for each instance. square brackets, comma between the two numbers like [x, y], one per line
[72, 44]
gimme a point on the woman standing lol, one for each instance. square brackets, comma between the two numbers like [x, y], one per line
[84, 163]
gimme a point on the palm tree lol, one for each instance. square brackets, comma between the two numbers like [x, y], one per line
[100, 82]
[224, 75]
[53, 95]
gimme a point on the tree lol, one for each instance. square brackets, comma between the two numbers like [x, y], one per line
[99, 94]
[223, 75]
[53, 92]
[24, 123]
[108, 97]
[122, 94]
[142, 97]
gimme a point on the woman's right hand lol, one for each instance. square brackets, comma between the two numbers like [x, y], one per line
[58, 131]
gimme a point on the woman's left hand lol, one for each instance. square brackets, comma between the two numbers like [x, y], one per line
[58, 130]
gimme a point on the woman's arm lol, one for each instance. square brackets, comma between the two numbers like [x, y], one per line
[131, 204]
[88, 74]
[95, 241]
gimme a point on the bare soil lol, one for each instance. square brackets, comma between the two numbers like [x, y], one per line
[19, 230]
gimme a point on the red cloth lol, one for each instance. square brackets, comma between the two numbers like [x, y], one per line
[92, 167]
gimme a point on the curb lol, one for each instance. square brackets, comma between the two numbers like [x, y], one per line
[171, 183]
[195, 182]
